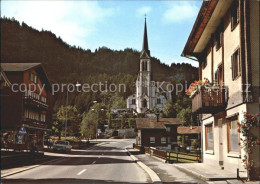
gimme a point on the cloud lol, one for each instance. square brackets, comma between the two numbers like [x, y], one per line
[73, 21]
[143, 10]
[180, 11]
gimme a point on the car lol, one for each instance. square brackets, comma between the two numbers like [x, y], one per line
[62, 146]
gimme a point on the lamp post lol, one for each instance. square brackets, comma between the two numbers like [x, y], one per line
[67, 101]
[97, 122]
[90, 103]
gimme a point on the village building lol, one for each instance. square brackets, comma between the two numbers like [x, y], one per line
[189, 135]
[149, 94]
[225, 42]
[26, 107]
[157, 132]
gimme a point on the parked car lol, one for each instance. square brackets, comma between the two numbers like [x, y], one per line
[62, 146]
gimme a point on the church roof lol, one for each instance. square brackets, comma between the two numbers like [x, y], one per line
[151, 123]
[145, 51]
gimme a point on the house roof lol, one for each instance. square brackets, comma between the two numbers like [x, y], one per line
[22, 67]
[208, 19]
[189, 130]
[16, 67]
[3, 77]
[151, 123]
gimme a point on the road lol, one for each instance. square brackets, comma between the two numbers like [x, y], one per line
[105, 163]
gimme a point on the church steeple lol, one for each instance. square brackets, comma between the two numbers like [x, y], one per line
[145, 42]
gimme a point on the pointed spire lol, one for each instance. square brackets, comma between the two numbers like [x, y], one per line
[145, 40]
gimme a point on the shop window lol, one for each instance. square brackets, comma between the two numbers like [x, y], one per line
[233, 136]
[209, 136]
[152, 139]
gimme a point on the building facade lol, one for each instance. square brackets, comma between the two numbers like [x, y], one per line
[26, 109]
[225, 41]
[149, 94]
[159, 133]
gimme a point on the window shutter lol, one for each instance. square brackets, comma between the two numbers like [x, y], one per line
[232, 20]
[221, 37]
[238, 61]
[232, 67]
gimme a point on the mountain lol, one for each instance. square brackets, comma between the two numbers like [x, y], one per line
[65, 63]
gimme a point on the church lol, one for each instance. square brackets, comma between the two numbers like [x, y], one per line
[149, 94]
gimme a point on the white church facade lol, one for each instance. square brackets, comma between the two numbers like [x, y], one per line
[149, 94]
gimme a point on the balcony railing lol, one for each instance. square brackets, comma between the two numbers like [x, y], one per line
[28, 100]
[209, 100]
[34, 123]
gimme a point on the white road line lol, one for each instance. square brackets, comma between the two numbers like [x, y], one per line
[94, 162]
[81, 172]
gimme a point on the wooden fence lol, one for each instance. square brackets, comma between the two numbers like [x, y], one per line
[183, 157]
[172, 157]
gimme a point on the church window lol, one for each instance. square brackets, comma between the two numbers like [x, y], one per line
[158, 101]
[144, 103]
[144, 66]
[133, 101]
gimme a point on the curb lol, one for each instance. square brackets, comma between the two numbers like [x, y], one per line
[201, 176]
[192, 173]
[28, 168]
[154, 177]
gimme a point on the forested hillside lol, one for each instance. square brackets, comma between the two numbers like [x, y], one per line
[65, 63]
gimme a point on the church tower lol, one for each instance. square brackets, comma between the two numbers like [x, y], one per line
[143, 83]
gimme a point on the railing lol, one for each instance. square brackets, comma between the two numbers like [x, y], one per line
[172, 157]
[208, 100]
[160, 153]
[183, 157]
[35, 102]
[34, 122]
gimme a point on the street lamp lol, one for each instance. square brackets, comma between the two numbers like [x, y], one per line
[97, 122]
[67, 101]
[90, 103]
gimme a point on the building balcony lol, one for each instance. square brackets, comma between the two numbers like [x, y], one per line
[34, 123]
[209, 100]
[32, 102]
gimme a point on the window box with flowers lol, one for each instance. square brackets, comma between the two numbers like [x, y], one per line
[206, 98]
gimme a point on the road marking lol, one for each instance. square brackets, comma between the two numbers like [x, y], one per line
[81, 172]
[94, 162]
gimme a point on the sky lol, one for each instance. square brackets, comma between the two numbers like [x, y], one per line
[117, 24]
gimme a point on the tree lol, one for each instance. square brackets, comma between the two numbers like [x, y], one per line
[186, 116]
[117, 102]
[73, 120]
[88, 125]
[169, 110]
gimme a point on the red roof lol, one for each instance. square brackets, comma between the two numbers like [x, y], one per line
[151, 123]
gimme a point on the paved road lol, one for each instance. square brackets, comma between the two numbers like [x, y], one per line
[105, 163]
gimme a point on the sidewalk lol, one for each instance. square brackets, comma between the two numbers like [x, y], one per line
[208, 172]
[167, 172]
